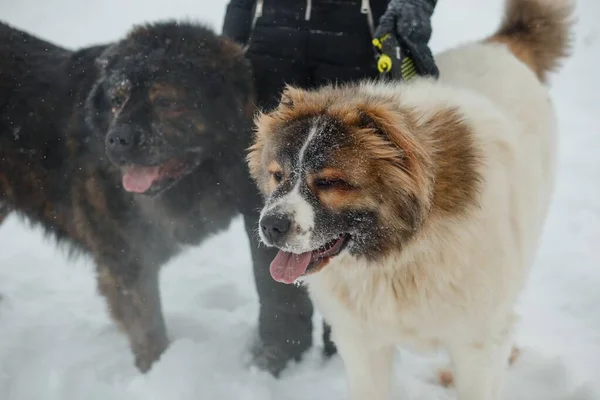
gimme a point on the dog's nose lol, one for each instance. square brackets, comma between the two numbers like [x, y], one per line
[275, 227]
[119, 141]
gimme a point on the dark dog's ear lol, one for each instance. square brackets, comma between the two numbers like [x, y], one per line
[97, 108]
[104, 58]
[101, 63]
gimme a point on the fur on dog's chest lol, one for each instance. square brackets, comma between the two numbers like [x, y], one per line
[394, 305]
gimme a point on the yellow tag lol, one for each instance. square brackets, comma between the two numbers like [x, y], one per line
[384, 63]
[378, 42]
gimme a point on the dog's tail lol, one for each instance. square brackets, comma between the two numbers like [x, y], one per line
[538, 32]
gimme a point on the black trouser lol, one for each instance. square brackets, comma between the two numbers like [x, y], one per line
[335, 45]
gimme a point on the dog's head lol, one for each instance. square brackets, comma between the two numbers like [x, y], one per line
[347, 170]
[169, 96]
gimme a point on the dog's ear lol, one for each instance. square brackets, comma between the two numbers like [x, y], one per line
[105, 57]
[366, 121]
[289, 96]
[396, 128]
[390, 125]
[393, 143]
[97, 108]
[243, 80]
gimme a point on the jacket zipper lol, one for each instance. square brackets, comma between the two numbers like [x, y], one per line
[365, 8]
[258, 10]
[308, 10]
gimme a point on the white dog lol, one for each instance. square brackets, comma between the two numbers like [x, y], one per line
[413, 210]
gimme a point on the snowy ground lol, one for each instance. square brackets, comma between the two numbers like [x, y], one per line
[57, 342]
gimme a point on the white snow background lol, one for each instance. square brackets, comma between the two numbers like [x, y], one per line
[58, 343]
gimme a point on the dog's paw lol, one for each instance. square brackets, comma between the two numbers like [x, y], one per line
[147, 355]
[514, 355]
[445, 376]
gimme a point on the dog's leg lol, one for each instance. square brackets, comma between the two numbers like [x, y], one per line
[446, 376]
[134, 303]
[368, 368]
[480, 368]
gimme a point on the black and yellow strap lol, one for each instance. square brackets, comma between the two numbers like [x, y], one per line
[391, 60]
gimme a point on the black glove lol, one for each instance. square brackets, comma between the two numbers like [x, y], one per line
[409, 22]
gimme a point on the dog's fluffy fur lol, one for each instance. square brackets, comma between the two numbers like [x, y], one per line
[413, 211]
[181, 99]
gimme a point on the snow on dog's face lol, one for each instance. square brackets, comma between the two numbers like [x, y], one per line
[341, 172]
[168, 97]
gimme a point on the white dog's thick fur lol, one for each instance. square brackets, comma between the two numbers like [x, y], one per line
[460, 277]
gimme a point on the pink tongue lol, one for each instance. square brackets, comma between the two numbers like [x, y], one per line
[139, 179]
[287, 267]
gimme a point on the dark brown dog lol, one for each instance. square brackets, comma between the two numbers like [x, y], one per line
[170, 105]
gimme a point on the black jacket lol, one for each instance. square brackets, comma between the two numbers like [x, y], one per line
[335, 30]
[331, 15]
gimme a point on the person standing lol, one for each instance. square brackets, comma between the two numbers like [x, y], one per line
[309, 43]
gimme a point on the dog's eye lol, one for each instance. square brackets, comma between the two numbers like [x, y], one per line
[278, 176]
[331, 183]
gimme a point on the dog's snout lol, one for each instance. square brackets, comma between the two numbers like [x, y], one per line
[275, 227]
[120, 141]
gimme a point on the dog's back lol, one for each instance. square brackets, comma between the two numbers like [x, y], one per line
[41, 85]
[510, 69]
[513, 63]
[25, 61]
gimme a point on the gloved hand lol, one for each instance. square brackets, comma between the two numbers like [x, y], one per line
[409, 21]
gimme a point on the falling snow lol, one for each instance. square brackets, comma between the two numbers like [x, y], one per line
[58, 343]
